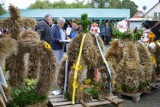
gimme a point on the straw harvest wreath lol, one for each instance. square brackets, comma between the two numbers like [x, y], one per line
[41, 62]
[132, 64]
[84, 52]
[90, 58]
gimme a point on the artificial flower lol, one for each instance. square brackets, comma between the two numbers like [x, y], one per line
[47, 45]
[81, 88]
[151, 36]
[88, 81]
[153, 59]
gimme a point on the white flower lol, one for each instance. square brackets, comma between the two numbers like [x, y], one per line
[152, 45]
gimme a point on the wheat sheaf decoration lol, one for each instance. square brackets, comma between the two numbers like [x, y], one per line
[15, 22]
[90, 59]
[40, 52]
[40, 63]
[131, 66]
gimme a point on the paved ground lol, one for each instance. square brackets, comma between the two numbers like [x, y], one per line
[146, 100]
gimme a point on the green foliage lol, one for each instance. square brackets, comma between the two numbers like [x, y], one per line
[127, 35]
[2, 10]
[116, 34]
[85, 22]
[118, 4]
[129, 89]
[130, 5]
[112, 3]
[91, 87]
[137, 34]
[46, 4]
[25, 96]
[66, 94]
[94, 92]
[144, 85]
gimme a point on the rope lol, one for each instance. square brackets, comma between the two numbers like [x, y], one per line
[77, 68]
[106, 63]
[66, 75]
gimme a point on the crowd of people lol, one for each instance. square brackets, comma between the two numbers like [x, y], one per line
[56, 33]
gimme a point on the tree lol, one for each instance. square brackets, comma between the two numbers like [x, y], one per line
[130, 5]
[2, 10]
[46, 4]
[118, 4]
[115, 4]
[112, 3]
[41, 4]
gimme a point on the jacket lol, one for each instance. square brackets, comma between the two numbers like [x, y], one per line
[44, 30]
[56, 45]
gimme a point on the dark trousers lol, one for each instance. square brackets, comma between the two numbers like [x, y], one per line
[107, 39]
[102, 37]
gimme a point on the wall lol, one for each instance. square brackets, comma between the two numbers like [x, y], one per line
[151, 12]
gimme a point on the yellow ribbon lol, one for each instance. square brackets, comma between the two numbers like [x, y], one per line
[77, 67]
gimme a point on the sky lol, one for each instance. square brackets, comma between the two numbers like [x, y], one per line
[22, 4]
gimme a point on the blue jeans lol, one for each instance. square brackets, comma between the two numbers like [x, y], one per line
[59, 54]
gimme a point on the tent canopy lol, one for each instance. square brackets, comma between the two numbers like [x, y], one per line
[100, 14]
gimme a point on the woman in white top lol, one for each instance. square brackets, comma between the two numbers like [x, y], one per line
[146, 31]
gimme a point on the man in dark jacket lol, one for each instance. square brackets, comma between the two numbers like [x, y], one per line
[108, 34]
[44, 30]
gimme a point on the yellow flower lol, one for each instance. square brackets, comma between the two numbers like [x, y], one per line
[153, 59]
[47, 46]
[88, 81]
[151, 36]
[81, 88]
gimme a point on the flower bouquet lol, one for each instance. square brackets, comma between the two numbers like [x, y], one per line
[91, 87]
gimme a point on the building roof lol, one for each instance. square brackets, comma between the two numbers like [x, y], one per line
[76, 12]
[152, 7]
[139, 14]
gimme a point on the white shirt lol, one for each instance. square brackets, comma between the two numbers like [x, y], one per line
[63, 35]
[68, 30]
[144, 37]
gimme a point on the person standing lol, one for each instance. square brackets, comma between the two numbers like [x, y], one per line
[146, 31]
[44, 30]
[108, 34]
[76, 28]
[58, 35]
[68, 30]
[103, 31]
